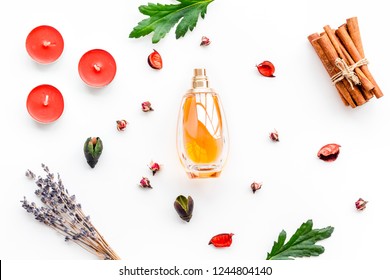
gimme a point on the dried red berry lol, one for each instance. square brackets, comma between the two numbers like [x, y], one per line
[266, 69]
[146, 106]
[256, 186]
[205, 41]
[145, 183]
[155, 60]
[222, 240]
[274, 136]
[154, 167]
[360, 204]
[121, 125]
[329, 152]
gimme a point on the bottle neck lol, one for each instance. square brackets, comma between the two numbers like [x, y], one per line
[200, 82]
[200, 79]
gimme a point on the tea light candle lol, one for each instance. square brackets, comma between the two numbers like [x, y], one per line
[44, 44]
[45, 103]
[97, 68]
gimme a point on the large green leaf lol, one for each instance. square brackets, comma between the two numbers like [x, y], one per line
[301, 244]
[163, 17]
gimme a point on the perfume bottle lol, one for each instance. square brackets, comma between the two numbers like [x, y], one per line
[202, 135]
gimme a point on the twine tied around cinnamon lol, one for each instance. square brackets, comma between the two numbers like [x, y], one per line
[347, 72]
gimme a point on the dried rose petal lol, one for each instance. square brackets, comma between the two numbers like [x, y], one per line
[222, 240]
[360, 204]
[121, 125]
[274, 136]
[205, 41]
[146, 106]
[256, 186]
[154, 167]
[266, 68]
[155, 60]
[145, 183]
[329, 152]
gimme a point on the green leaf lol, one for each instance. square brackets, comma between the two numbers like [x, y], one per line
[163, 17]
[301, 244]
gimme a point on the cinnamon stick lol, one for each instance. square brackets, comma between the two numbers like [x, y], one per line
[329, 68]
[366, 84]
[331, 54]
[342, 33]
[354, 32]
[367, 93]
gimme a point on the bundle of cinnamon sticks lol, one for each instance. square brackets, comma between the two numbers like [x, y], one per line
[341, 52]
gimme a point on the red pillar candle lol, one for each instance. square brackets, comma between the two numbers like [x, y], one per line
[44, 44]
[45, 103]
[97, 68]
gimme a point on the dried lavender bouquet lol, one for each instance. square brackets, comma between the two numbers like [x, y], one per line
[62, 213]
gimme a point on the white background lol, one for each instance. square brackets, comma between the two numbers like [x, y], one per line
[300, 102]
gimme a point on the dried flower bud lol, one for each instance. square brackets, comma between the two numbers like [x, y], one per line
[154, 167]
[274, 136]
[205, 41]
[329, 152]
[145, 183]
[146, 106]
[256, 186]
[93, 148]
[184, 207]
[121, 125]
[30, 174]
[360, 204]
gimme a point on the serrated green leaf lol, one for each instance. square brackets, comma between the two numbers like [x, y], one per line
[162, 18]
[278, 244]
[301, 244]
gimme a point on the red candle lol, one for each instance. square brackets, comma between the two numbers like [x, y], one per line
[97, 68]
[45, 103]
[44, 44]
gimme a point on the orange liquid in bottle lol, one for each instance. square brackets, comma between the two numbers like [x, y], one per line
[202, 136]
[202, 128]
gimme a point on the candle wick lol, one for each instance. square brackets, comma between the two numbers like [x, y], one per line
[46, 43]
[97, 67]
[46, 101]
